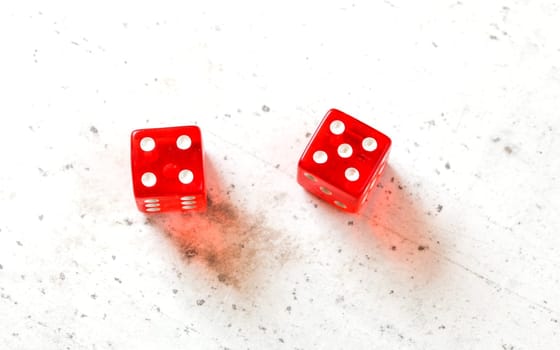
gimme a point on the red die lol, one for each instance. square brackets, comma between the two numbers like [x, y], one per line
[168, 169]
[343, 160]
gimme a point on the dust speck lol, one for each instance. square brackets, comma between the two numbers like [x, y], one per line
[422, 247]
[93, 130]
[222, 277]
[265, 108]
[190, 252]
[200, 302]
[439, 208]
[447, 166]
[62, 276]
[508, 149]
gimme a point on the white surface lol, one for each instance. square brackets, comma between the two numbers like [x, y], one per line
[458, 249]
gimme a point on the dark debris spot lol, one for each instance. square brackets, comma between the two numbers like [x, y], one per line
[350, 223]
[222, 277]
[1, 267]
[493, 37]
[281, 340]
[93, 130]
[394, 247]
[265, 108]
[307, 134]
[93, 296]
[423, 247]
[447, 165]
[277, 166]
[41, 217]
[19, 243]
[69, 166]
[200, 302]
[118, 279]
[62, 276]
[439, 208]
[128, 222]
[175, 291]
[508, 150]
[190, 252]
[496, 139]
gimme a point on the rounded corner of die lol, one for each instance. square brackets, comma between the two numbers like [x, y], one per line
[389, 142]
[333, 111]
[134, 133]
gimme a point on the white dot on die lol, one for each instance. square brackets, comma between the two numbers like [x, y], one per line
[337, 127]
[153, 209]
[340, 204]
[310, 177]
[345, 150]
[320, 157]
[184, 142]
[149, 179]
[152, 200]
[369, 144]
[325, 190]
[352, 174]
[188, 207]
[186, 176]
[188, 198]
[147, 144]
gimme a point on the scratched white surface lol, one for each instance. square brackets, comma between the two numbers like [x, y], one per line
[458, 249]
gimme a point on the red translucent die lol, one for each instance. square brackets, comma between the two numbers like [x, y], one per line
[343, 160]
[168, 169]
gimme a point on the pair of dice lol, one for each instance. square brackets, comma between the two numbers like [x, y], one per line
[341, 164]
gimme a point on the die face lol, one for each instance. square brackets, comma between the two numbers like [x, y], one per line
[168, 169]
[347, 157]
[326, 191]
